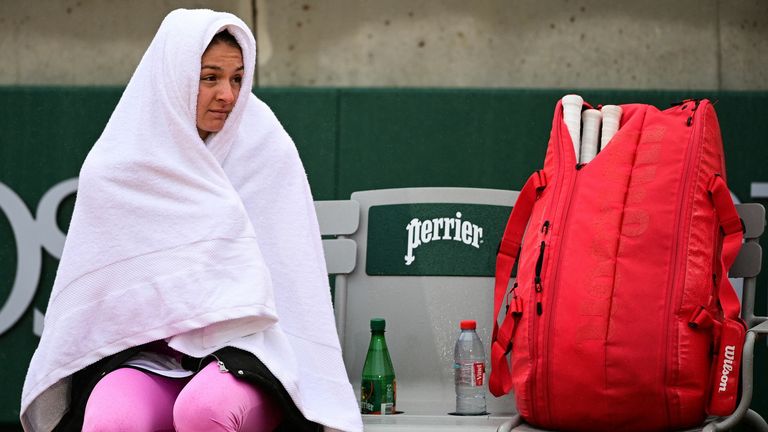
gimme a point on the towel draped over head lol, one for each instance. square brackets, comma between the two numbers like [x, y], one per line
[204, 244]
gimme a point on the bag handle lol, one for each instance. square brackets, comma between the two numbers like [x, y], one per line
[726, 368]
[500, 381]
[732, 228]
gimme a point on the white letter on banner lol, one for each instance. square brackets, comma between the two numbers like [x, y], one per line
[51, 237]
[426, 231]
[413, 239]
[466, 232]
[30, 235]
[28, 258]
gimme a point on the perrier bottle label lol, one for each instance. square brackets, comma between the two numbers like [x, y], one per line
[378, 395]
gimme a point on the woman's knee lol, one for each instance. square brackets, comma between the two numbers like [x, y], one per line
[128, 400]
[196, 415]
[215, 401]
[204, 414]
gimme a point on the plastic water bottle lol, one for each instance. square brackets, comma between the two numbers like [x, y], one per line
[469, 371]
[378, 392]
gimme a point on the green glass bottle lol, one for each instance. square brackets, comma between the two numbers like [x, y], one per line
[379, 387]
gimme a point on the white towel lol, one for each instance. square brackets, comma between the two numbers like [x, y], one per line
[208, 244]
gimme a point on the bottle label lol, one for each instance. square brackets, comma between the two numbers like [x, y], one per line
[471, 374]
[377, 396]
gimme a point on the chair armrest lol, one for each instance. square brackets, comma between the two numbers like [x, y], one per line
[760, 329]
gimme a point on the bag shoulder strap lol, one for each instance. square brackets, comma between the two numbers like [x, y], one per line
[732, 228]
[500, 381]
[726, 371]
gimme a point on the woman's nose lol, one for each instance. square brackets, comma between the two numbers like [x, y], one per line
[226, 93]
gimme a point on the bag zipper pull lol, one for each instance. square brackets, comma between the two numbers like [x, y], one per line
[537, 278]
[545, 227]
[539, 307]
[222, 368]
[513, 294]
[689, 122]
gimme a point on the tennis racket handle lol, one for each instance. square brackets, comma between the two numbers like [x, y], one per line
[572, 116]
[590, 123]
[611, 120]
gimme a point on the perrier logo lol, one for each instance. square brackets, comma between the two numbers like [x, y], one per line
[460, 239]
[453, 229]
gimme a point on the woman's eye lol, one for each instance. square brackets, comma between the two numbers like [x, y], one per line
[210, 78]
[238, 79]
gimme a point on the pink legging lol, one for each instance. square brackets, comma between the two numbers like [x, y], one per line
[130, 400]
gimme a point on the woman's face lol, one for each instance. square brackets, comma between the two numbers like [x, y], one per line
[221, 73]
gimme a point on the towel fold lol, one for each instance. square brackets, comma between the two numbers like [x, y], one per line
[206, 244]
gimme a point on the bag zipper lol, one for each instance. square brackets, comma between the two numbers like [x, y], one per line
[539, 266]
[676, 247]
[557, 195]
[537, 277]
[689, 122]
[537, 298]
[716, 251]
[554, 282]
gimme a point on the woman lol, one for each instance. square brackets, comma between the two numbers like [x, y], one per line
[192, 291]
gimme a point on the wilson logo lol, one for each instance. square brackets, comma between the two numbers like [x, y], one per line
[429, 230]
[730, 353]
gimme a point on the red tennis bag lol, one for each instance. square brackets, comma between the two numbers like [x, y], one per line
[622, 316]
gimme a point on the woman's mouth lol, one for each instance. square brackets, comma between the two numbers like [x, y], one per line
[219, 113]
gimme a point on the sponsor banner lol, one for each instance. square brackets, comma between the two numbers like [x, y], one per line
[435, 239]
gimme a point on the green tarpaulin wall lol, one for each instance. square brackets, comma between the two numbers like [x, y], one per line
[349, 140]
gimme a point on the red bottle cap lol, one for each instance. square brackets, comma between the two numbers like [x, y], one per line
[468, 325]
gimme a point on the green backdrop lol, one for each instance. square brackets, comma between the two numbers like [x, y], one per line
[349, 140]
